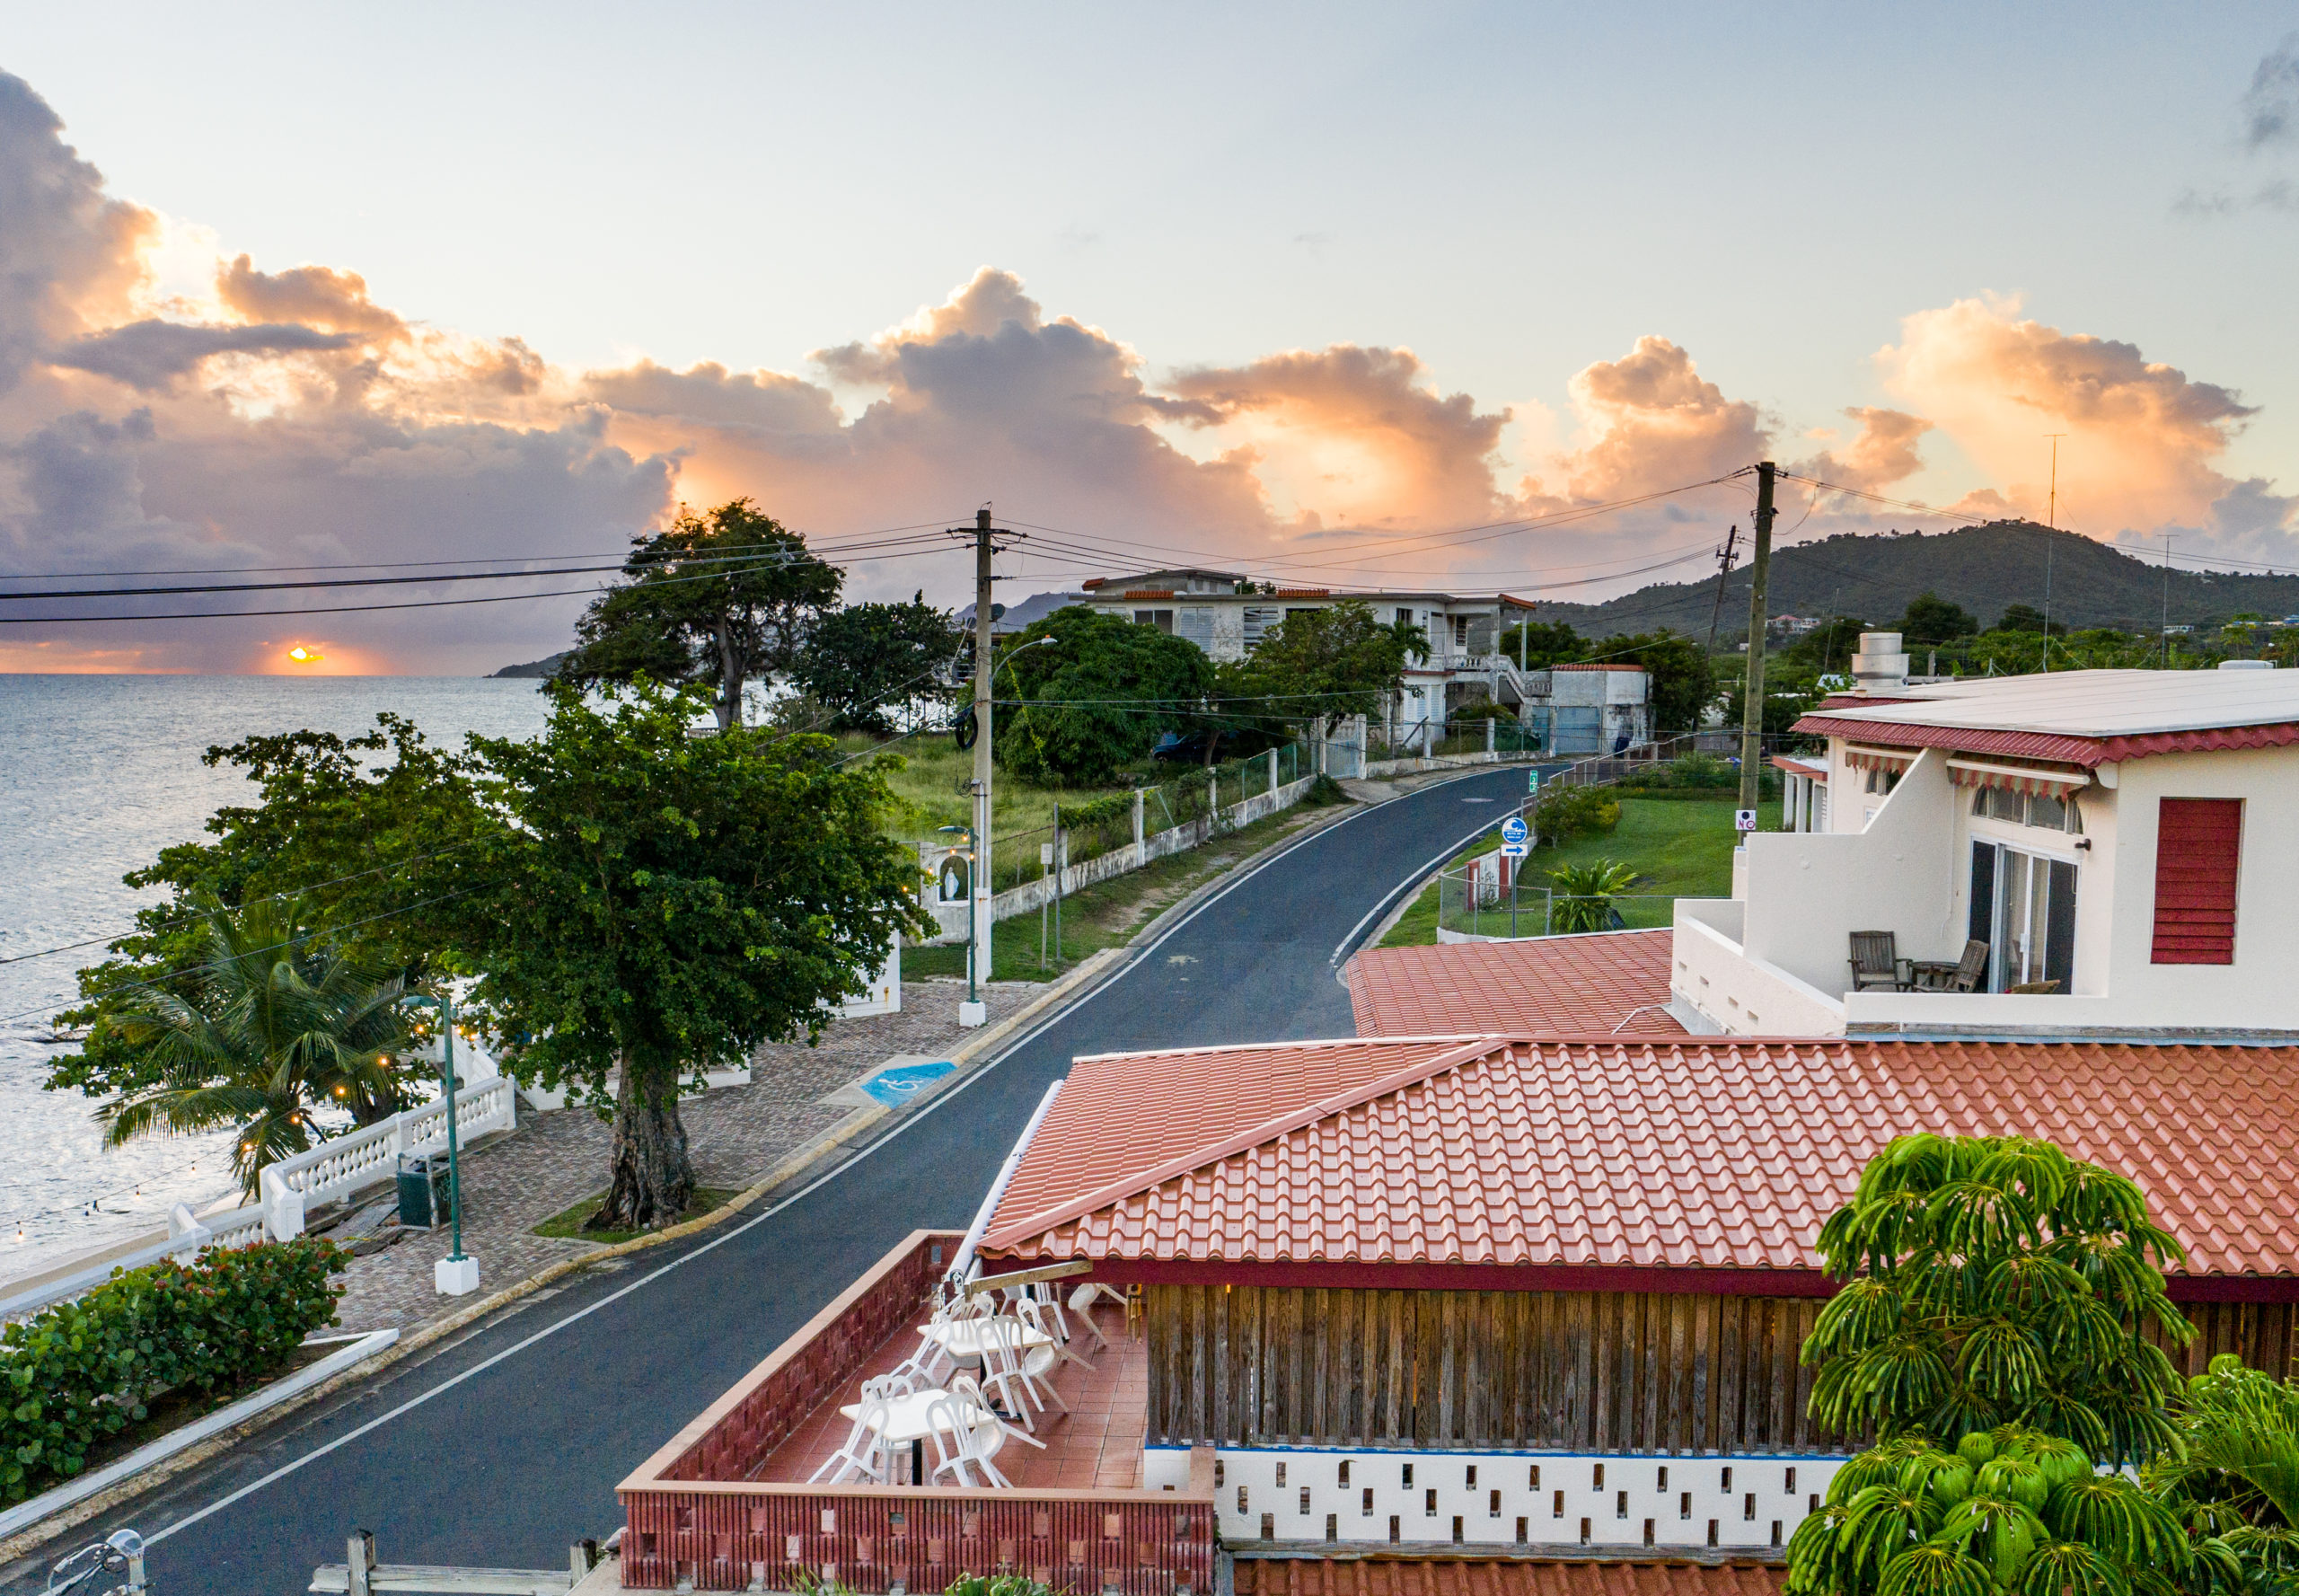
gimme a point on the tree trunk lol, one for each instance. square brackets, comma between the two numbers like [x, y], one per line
[729, 707]
[651, 1181]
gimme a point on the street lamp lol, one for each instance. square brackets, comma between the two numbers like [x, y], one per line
[971, 1012]
[455, 1275]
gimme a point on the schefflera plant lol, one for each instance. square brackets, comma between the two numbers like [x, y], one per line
[1991, 1335]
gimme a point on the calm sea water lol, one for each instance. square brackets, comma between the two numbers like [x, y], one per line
[97, 774]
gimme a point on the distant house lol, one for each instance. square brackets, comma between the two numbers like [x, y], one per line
[2111, 843]
[1227, 614]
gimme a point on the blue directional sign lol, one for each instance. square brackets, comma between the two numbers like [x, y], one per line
[1512, 830]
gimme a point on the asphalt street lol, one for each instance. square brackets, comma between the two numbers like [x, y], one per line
[503, 1445]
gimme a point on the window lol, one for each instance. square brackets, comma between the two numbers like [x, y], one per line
[2198, 847]
[2041, 810]
[2023, 907]
[1195, 625]
[1460, 632]
[1163, 619]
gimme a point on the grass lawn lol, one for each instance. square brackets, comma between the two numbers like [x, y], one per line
[930, 786]
[1109, 913]
[1679, 849]
[570, 1224]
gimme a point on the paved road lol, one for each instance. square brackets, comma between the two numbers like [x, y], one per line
[501, 1448]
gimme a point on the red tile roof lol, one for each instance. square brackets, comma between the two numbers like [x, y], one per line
[1554, 986]
[2087, 752]
[1470, 1576]
[1575, 666]
[1601, 1154]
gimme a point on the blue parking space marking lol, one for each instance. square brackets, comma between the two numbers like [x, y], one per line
[898, 1086]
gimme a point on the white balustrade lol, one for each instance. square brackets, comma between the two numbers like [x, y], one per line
[363, 1158]
[1509, 1500]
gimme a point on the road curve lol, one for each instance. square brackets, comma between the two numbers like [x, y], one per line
[503, 1445]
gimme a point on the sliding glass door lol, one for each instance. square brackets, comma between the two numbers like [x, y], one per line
[2023, 907]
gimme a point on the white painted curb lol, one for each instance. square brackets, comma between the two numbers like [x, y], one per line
[25, 1515]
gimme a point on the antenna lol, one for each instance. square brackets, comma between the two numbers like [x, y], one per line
[2051, 525]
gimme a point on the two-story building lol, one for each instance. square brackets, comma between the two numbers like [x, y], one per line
[1227, 614]
[2096, 852]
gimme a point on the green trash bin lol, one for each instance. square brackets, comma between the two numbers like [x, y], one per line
[422, 1191]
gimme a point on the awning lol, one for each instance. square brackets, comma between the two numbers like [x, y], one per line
[2054, 781]
[1879, 759]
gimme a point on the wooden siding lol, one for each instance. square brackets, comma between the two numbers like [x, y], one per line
[1576, 1372]
[1632, 1373]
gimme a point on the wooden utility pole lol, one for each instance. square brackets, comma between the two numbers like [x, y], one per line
[980, 875]
[1752, 695]
[1724, 570]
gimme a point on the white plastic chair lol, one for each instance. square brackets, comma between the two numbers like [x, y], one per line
[1039, 1319]
[865, 1451]
[1011, 1367]
[1081, 1303]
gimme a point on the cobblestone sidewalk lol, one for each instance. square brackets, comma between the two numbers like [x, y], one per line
[735, 1134]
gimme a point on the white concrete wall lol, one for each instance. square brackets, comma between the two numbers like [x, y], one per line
[1710, 971]
[1807, 891]
[1503, 1499]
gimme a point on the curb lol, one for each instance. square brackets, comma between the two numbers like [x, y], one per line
[1089, 972]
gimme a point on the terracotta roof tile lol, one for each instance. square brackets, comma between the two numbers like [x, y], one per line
[1657, 1154]
[1467, 1576]
[1540, 986]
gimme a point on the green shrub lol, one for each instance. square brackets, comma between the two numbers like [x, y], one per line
[85, 1369]
[1702, 770]
[1325, 791]
[1585, 893]
[1567, 814]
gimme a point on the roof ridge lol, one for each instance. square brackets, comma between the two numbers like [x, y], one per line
[1236, 1142]
[1213, 1047]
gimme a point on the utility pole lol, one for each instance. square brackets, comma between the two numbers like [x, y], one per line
[1752, 695]
[1723, 569]
[980, 877]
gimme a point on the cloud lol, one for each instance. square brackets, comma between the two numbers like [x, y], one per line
[1881, 454]
[69, 255]
[765, 402]
[1354, 435]
[2271, 104]
[152, 355]
[2143, 439]
[1649, 421]
[316, 295]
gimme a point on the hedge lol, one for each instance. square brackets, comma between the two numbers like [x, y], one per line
[88, 1369]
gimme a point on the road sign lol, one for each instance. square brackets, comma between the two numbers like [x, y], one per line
[1512, 830]
[1744, 820]
[1515, 850]
[1533, 780]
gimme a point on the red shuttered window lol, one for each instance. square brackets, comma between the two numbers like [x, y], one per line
[2198, 843]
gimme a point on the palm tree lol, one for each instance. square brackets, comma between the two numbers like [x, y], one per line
[280, 1024]
[1584, 894]
[2236, 1477]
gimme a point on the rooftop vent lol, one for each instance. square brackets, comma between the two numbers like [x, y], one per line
[2247, 665]
[1880, 666]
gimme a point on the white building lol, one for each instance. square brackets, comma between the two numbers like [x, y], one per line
[1227, 614]
[1590, 709]
[2113, 842]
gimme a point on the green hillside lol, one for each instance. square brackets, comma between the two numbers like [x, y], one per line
[1984, 569]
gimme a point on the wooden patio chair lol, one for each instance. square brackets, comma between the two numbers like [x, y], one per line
[2034, 988]
[1876, 962]
[1965, 974]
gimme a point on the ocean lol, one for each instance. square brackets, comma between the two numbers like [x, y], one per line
[97, 774]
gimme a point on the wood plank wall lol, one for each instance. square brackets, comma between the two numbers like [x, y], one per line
[1582, 1371]
[1577, 1371]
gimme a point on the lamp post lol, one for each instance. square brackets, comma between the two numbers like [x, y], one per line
[455, 1275]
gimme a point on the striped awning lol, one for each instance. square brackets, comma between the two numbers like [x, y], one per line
[1879, 759]
[2054, 781]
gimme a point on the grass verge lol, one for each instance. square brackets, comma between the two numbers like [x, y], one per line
[1110, 913]
[568, 1225]
[1677, 851]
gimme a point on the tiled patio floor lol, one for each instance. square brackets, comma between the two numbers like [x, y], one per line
[1096, 1445]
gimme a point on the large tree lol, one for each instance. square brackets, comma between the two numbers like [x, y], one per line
[1094, 698]
[658, 904]
[866, 663]
[1337, 659]
[715, 599]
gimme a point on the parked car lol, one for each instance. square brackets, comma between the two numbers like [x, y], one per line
[1186, 747]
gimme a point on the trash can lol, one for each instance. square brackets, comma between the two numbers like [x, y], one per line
[422, 1191]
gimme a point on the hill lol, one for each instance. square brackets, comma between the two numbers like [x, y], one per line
[1984, 569]
[545, 667]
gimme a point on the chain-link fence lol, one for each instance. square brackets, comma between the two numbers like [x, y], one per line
[1479, 902]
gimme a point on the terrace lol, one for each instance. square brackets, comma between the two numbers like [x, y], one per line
[726, 1505]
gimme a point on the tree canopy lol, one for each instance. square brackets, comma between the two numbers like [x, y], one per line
[1079, 708]
[712, 599]
[1544, 643]
[2026, 618]
[871, 664]
[1931, 619]
[658, 904]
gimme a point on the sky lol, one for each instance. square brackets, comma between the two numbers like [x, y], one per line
[1339, 295]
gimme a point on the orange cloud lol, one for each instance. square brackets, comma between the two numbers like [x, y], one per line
[2143, 437]
[316, 295]
[1650, 421]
